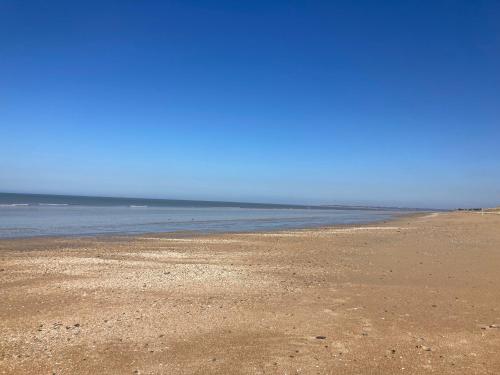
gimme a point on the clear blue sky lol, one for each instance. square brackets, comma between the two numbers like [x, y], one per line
[373, 102]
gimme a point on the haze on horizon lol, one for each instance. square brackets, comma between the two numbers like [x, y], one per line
[320, 102]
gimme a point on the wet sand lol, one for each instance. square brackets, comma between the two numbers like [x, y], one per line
[416, 295]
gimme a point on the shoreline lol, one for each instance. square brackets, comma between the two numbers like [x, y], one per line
[415, 294]
[194, 233]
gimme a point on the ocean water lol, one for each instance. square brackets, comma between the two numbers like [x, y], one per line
[26, 215]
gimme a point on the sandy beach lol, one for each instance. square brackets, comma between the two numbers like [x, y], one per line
[416, 295]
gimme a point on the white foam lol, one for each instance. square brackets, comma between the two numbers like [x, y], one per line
[14, 204]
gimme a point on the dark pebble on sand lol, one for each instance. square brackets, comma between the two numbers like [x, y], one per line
[321, 337]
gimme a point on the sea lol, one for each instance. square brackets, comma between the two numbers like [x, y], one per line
[29, 215]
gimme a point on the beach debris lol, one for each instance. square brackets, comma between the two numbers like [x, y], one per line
[321, 337]
[488, 326]
[423, 347]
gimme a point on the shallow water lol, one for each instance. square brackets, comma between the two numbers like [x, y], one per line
[33, 216]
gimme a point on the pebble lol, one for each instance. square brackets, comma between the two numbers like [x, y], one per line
[321, 337]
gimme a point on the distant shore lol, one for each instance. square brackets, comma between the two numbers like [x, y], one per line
[412, 295]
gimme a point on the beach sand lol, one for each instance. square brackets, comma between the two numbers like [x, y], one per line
[416, 295]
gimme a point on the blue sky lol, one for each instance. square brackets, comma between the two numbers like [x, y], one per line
[371, 102]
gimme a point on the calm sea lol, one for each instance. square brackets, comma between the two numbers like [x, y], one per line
[26, 215]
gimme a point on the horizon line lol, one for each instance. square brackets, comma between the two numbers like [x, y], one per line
[325, 205]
